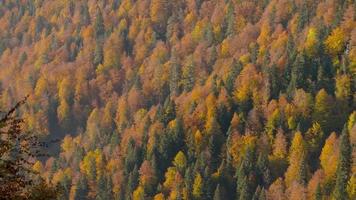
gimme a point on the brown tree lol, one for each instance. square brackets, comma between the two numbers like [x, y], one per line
[18, 180]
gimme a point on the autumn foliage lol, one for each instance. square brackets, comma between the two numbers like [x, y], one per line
[196, 99]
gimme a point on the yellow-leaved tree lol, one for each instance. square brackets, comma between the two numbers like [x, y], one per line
[180, 161]
[311, 43]
[198, 187]
[92, 165]
[170, 177]
[65, 96]
[352, 121]
[329, 157]
[139, 194]
[159, 196]
[297, 155]
[335, 42]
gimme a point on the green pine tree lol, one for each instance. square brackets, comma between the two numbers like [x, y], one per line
[169, 111]
[257, 193]
[246, 169]
[84, 15]
[217, 193]
[303, 172]
[263, 171]
[82, 188]
[344, 166]
[174, 74]
[236, 68]
[297, 79]
[131, 183]
[99, 27]
[98, 54]
[101, 189]
[243, 190]
[230, 19]
[262, 195]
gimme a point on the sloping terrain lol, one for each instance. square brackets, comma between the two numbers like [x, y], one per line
[196, 99]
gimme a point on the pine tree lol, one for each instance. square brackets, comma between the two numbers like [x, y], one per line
[131, 183]
[188, 75]
[115, 4]
[22, 59]
[217, 193]
[303, 15]
[215, 142]
[257, 193]
[178, 134]
[291, 54]
[99, 28]
[102, 192]
[169, 111]
[273, 81]
[230, 19]
[344, 166]
[133, 157]
[343, 94]
[243, 192]
[98, 53]
[84, 14]
[246, 169]
[170, 30]
[82, 188]
[188, 182]
[174, 74]
[262, 195]
[263, 172]
[314, 137]
[302, 174]
[208, 187]
[235, 71]
[298, 78]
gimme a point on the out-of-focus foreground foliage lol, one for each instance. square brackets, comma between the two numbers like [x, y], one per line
[18, 150]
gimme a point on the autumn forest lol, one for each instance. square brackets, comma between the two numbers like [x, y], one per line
[178, 99]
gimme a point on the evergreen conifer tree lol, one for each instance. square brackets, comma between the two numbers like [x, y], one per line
[344, 166]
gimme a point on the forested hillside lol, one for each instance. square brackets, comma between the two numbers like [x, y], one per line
[187, 99]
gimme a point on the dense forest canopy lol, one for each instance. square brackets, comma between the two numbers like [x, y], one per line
[187, 99]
